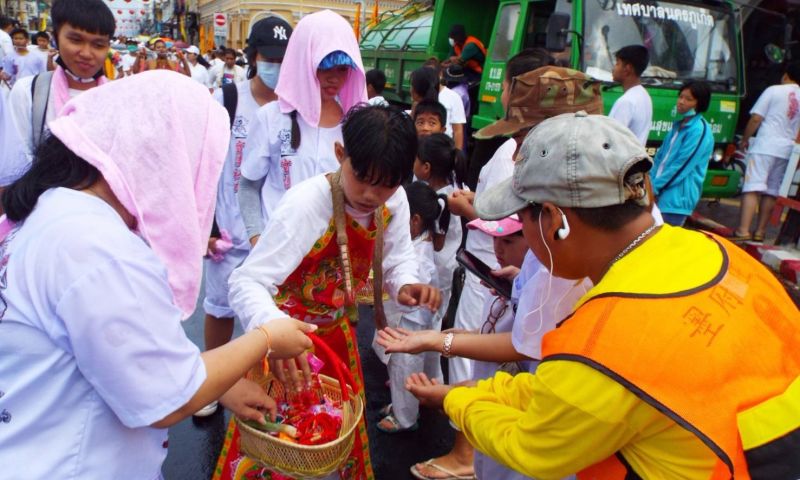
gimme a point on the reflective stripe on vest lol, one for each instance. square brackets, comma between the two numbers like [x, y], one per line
[472, 64]
[733, 342]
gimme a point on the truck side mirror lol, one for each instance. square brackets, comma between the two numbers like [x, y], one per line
[557, 30]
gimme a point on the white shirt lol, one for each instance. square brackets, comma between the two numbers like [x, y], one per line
[780, 107]
[93, 351]
[228, 214]
[634, 109]
[230, 75]
[445, 259]
[497, 169]
[301, 218]
[455, 109]
[22, 66]
[126, 63]
[20, 108]
[269, 153]
[200, 74]
[544, 300]
[426, 273]
[6, 44]
[378, 100]
[10, 143]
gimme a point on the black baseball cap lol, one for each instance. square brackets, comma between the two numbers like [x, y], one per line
[269, 36]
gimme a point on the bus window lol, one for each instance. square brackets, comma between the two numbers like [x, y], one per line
[536, 27]
[504, 35]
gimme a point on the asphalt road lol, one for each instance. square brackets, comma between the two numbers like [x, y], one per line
[195, 443]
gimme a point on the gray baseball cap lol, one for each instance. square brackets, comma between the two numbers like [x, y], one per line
[574, 160]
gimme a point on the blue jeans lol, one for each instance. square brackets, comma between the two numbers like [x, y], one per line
[674, 219]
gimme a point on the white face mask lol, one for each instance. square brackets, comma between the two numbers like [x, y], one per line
[451, 42]
[268, 72]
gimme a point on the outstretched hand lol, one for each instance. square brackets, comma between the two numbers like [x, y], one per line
[419, 295]
[248, 401]
[429, 392]
[400, 340]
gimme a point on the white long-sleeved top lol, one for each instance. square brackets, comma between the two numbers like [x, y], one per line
[300, 219]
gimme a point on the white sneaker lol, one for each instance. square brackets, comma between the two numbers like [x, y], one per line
[207, 410]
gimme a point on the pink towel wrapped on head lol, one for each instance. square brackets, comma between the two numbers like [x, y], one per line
[314, 37]
[159, 140]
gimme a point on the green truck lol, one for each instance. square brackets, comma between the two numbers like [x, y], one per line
[686, 39]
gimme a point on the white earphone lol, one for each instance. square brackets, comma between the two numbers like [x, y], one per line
[563, 232]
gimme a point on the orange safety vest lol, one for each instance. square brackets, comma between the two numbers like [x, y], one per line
[472, 64]
[722, 360]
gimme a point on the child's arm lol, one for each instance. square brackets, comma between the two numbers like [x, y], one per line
[300, 219]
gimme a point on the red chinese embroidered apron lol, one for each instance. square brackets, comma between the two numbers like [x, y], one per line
[314, 293]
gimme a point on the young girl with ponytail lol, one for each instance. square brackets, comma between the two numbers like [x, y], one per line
[442, 166]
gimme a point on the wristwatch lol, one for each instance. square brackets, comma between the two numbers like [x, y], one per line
[447, 345]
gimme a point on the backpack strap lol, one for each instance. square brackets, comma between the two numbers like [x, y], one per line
[40, 93]
[706, 128]
[230, 97]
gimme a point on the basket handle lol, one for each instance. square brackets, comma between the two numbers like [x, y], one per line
[342, 372]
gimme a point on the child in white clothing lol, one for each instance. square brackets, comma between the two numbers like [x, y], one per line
[402, 413]
[442, 166]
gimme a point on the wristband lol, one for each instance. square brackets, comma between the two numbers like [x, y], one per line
[263, 329]
[447, 345]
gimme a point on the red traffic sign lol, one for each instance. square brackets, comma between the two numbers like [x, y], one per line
[220, 19]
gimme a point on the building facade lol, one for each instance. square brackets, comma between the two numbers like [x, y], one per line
[243, 13]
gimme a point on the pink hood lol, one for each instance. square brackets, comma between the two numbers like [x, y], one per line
[159, 139]
[314, 37]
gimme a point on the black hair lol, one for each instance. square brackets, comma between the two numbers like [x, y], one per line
[252, 67]
[381, 142]
[447, 162]
[425, 81]
[793, 71]
[229, 51]
[432, 107]
[458, 33]
[42, 34]
[423, 201]
[636, 56]
[93, 16]
[54, 165]
[377, 79]
[528, 60]
[5, 22]
[701, 91]
[202, 61]
[17, 31]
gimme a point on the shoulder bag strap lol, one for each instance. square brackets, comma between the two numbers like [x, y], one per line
[689, 158]
[40, 93]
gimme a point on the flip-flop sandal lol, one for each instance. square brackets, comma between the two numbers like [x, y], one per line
[758, 238]
[740, 238]
[451, 476]
[394, 425]
[386, 410]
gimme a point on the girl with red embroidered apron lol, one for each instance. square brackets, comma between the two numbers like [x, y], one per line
[317, 251]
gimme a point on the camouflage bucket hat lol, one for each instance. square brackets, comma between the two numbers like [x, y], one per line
[544, 93]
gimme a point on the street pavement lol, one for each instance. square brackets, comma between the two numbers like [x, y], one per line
[195, 443]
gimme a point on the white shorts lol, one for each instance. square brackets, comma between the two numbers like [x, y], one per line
[764, 173]
[217, 274]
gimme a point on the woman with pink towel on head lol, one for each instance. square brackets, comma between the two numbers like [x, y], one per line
[100, 260]
[292, 139]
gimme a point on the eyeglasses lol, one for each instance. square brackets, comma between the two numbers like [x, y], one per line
[496, 311]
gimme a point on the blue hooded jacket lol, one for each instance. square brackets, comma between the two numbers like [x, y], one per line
[679, 185]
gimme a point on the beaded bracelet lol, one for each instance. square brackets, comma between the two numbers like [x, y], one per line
[263, 329]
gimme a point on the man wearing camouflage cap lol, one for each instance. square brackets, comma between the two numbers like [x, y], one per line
[647, 377]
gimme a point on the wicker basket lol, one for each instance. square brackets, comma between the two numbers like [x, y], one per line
[307, 461]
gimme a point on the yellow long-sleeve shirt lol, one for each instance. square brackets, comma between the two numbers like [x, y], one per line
[569, 416]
